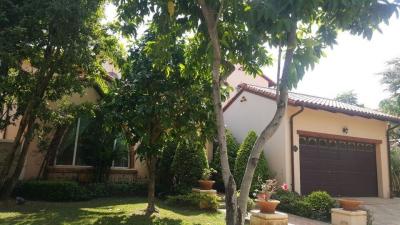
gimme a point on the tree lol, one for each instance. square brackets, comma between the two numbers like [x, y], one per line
[229, 32]
[391, 79]
[55, 49]
[156, 102]
[349, 97]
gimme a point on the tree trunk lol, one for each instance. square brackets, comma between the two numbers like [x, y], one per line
[13, 175]
[151, 186]
[52, 150]
[270, 129]
[211, 19]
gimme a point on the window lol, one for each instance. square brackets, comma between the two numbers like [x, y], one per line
[75, 151]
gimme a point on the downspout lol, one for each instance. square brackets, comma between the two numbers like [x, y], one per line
[388, 157]
[292, 147]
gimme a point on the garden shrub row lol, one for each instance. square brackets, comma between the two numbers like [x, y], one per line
[316, 205]
[71, 191]
[196, 200]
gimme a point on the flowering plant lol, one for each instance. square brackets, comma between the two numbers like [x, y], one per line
[207, 173]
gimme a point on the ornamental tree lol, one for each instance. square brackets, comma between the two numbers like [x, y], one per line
[236, 31]
[156, 103]
[49, 49]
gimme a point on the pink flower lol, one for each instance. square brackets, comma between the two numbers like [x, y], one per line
[285, 187]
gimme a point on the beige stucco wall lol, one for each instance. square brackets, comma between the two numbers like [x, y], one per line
[254, 114]
[332, 123]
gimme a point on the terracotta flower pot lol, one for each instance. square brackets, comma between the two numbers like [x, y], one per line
[206, 184]
[267, 206]
[350, 204]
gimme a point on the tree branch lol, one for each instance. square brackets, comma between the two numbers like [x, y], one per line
[270, 129]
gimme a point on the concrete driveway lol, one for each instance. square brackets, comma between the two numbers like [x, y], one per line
[384, 211]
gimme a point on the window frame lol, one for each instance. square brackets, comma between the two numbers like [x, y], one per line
[76, 141]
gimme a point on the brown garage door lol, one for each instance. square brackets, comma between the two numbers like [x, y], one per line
[342, 168]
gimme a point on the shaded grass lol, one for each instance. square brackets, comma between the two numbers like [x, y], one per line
[105, 211]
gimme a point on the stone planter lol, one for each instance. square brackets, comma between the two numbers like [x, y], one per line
[206, 184]
[267, 206]
[350, 204]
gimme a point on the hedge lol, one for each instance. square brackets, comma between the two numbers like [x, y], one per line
[62, 191]
[195, 200]
[52, 191]
[317, 205]
[261, 174]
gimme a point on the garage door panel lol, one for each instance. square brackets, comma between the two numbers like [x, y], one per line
[343, 168]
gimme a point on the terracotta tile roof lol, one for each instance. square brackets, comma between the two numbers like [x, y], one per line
[315, 102]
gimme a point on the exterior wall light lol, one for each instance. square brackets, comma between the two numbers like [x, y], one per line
[345, 130]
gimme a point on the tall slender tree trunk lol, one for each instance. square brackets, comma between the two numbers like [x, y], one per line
[55, 143]
[211, 19]
[151, 186]
[270, 129]
[13, 175]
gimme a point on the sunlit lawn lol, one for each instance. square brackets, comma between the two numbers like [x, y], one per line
[106, 211]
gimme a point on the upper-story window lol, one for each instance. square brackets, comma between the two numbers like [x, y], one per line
[73, 152]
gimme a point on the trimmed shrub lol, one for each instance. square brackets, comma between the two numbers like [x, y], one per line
[233, 147]
[98, 190]
[127, 189]
[321, 204]
[260, 174]
[316, 205]
[287, 200]
[196, 200]
[52, 191]
[189, 162]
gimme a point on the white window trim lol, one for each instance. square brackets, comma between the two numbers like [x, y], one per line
[75, 147]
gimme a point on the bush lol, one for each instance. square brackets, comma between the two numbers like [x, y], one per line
[260, 174]
[52, 191]
[233, 147]
[301, 208]
[98, 190]
[287, 200]
[165, 174]
[321, 204]
[196, 200]
[189, 162]
[316, 205]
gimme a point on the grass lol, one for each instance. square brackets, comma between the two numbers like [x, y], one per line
[106, 211]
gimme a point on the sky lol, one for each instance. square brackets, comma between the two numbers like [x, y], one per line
[354, 63]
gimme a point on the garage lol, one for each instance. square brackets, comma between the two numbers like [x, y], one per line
[340, 167]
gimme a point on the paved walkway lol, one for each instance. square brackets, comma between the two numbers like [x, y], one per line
[384, 211]
[297, 220]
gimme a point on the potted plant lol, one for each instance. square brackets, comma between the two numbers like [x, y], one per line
[350, 204]
[264, 202]
[205, 182]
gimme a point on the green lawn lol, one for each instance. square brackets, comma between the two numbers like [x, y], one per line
[106, 211]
